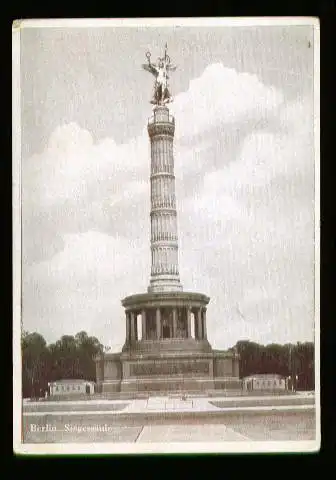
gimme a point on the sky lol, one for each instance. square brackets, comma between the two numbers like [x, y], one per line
[244, 167]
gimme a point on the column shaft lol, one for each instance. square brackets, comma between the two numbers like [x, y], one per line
[136, 336]
[143, 320]
[132, 321]
[199, 324]
[204, 324]
[174, 322]
[188, 322]
[163, 205]
[158, 324]
[127, 328]
[195, 324]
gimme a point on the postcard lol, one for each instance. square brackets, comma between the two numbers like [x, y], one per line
[166, 235]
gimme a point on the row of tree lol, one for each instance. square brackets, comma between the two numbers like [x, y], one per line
[69, 357]
[73, 357]
[295, 361]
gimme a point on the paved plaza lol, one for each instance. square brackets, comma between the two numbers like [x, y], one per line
[165, 419]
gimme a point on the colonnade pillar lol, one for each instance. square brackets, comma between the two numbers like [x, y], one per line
[204, 324]
[132, 333]
[199, 324]
[174, 322]
[143, 324]
[132, 320]
[128, 332]
[188, 322]
[158, 323]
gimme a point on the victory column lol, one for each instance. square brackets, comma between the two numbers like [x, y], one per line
[165, 356]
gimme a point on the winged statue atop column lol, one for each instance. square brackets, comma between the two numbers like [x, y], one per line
[161, 71]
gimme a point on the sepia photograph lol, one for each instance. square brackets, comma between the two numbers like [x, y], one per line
[166, 235]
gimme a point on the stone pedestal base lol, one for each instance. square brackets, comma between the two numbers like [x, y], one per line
[167, 356]
[179, 372]
[169, 372]
[167, 385]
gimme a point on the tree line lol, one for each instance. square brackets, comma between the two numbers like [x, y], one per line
[73, 357]
[69, 357]
[289, 360]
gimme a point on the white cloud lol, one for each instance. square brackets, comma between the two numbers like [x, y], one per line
[72, 166]
[82, 286]
[222, 95]
[246, 226]
[256, 223]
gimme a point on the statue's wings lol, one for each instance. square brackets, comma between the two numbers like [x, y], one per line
[149, 67]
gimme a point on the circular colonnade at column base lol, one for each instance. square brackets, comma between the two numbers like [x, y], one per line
[167, 321]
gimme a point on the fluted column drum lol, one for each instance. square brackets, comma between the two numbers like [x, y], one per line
[164, 238]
